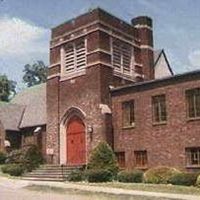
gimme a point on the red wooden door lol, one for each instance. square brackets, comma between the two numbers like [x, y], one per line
[76, 145]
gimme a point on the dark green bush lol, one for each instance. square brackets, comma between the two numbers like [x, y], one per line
[103, 157]
[98, 175]
[29, 156]
[135, 176]
[160, 175]
[184, 178]
[13, 169]
[2, 157]
[75, 176]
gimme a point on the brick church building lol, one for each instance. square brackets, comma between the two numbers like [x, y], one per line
[106, 82]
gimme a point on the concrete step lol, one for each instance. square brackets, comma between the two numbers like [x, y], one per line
[50, 173]
[43, 179]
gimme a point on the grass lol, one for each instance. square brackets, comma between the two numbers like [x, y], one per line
[150, 187]
[85, 195]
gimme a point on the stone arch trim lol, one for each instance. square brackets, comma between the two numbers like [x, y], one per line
[71, 112]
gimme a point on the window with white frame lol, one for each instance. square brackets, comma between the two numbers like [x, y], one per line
[122, 56]
[75, 56]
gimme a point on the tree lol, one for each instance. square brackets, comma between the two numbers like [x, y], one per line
[7, 88]
[35, 74]
[103, 157]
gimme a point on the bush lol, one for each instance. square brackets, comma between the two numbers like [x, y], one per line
[13, 169]
[2, 157]
[135, 176]
[103, 157]
[198, 181]
[184, 178]
[98, 176]
[160, 175]
[75, 176]
[30, 157]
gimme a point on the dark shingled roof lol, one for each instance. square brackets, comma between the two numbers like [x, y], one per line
[27, 109]
[11, 115]
[34, 100]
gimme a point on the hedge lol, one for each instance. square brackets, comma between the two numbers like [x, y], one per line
[2, 157]
[135, 176]
[98, 175]
[160, 175]
[76, 176]
[184, 178]
[13, 169]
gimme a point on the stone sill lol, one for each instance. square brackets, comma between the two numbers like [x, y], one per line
[159, 123]
[128, 127]
[193, 119]
[193, 166]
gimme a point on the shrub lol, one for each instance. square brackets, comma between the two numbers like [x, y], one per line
[159, 175]
[30, 157]
[75, 176]
[13, 169]
[98, 175]
[2, 157]
[103, 157]
[135, 176]
[198, 181]
[184, 178]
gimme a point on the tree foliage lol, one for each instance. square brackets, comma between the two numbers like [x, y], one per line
[7, 88]
[103, 157]
[35, 74]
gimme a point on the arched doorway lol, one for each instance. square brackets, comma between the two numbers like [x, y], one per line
[76, 142]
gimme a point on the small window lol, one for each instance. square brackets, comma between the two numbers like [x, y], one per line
[140, 158]
[128, 114]
[159, 109]
[121, 159]
[193, 103]
[193, 156]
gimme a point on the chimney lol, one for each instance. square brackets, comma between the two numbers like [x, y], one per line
[143, 25]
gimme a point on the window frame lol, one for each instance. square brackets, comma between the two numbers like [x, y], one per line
[143, 157]
[131, 123]
[190, 93]
[122, 69]
[160, 112]
[189, 157]
[76, 71]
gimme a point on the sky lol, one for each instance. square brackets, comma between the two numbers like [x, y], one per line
[25, 28]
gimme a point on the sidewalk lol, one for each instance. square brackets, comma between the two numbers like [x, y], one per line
[16, 184]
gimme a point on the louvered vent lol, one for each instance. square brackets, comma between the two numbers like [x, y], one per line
[75, 56]
[122, 57]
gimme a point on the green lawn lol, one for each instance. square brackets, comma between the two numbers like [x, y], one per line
[84, 195]
[150, 187]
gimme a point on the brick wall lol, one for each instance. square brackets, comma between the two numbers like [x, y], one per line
[166, 143]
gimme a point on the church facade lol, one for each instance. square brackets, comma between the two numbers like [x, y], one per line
[106, 82]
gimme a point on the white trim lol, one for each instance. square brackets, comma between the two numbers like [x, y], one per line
[53, 76]
[90, 24]
[93, 30]
[124, 76]
[146, 47]
[74, 74]
[54, 64]
[99, 62]
[143, 26]
[99, 50]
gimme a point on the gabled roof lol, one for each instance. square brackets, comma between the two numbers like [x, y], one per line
[34, 100]
[11, 115]
[157, 55]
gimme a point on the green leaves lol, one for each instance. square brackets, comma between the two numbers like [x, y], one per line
[7, 88]
[35, 74]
